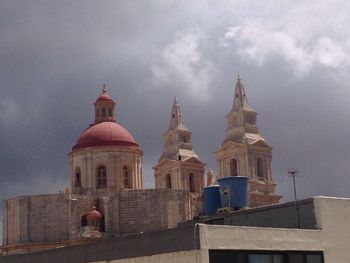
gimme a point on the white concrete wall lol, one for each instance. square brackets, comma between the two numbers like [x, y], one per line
[332, 237]
[255, 238]
[333, 217]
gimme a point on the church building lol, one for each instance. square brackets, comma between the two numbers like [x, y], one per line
[244, 152]
[106, 198]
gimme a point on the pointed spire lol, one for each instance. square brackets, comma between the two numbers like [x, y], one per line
[240, 99]
[104, 90]
[176, 120]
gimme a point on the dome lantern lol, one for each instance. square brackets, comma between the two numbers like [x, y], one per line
[104, 107]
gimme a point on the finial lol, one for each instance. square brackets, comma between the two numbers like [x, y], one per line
[104, 90]
[238, 77]
[175, 100]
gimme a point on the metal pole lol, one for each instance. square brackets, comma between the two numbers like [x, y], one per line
[293, 174]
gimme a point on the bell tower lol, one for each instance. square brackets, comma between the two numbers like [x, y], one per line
[244, 152]
[179, 167]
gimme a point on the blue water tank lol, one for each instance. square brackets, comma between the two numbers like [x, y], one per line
[211, 199]
[234, 191]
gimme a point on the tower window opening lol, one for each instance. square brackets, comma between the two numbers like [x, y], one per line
[191, 182]
[234, 167]
[77, 178]
[101, 177]
[250, 119]
[168, 181]
[260, 168]
[103, 112]
[97, 113]
[110, 112]
[126, 177]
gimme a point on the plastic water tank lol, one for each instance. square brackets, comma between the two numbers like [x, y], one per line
[234, 191]
[212, 199]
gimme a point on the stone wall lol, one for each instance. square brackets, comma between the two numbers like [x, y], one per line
[79, 205]
[152, 209]
[58, 217]
[37, 218]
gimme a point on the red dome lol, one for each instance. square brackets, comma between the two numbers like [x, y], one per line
[105, 134]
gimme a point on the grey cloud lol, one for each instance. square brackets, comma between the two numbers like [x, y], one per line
[55, 55]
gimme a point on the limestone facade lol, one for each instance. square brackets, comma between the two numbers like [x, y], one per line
[244, 152]
[123, 169]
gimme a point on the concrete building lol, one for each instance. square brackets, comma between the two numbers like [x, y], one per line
[266, 234]
[106, 198]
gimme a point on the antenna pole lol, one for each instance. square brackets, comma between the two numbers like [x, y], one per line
[293, 173]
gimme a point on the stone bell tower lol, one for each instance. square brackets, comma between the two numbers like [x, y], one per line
[179, 167]
[244, 152]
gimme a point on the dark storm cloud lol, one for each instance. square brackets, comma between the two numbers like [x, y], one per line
[55, 55]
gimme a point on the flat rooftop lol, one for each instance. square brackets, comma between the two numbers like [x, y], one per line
[276, 216]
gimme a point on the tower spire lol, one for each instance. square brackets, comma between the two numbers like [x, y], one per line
[240, 100]
[179, 167]
[176, 120]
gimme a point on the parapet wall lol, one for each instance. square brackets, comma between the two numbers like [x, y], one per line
[36, 218]
[152, 209]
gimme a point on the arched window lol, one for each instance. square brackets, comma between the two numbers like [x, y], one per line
[234, 167]
[110, 112]
[126, 177]
[191, 183]
[77, 177]
[97, 113]
[168, 181]
[103, 112]
[101, 177]
[260, 167]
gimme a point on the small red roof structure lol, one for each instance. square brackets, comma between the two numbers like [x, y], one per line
[93, 214]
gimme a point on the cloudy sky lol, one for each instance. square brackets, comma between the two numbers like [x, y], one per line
[293, 57]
